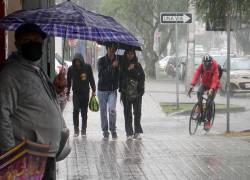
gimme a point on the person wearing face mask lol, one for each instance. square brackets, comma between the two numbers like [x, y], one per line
[28, 102]
[80, 75]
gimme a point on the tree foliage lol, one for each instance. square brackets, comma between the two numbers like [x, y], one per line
[142, 18]
[239, 11]
[213, 9]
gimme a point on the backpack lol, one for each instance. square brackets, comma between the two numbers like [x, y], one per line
[220, 70]
[132, 89]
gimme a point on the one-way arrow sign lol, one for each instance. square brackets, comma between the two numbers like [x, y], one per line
[179, 17]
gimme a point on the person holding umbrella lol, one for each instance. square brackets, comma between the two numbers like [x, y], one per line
[131, 87]
[108, 76]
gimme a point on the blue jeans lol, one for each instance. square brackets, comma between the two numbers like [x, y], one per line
[107, 101]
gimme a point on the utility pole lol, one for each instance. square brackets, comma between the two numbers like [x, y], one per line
[190, 45]
[177, 66]
[228, 63]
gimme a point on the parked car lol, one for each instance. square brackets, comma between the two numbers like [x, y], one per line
[171, 67]
[239, 76]
[163, 63]
[220, 59]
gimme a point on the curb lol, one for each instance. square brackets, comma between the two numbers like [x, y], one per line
[221, 111]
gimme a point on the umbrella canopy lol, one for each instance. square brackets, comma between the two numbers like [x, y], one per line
[71, 21]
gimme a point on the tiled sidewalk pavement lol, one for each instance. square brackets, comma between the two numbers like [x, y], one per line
[165, 152]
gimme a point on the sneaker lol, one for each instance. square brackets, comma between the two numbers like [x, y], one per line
[129, 137]
[105, 136]
[207, 125]
[137, 136]
[114, 135]
[83, 132]
[76, 134]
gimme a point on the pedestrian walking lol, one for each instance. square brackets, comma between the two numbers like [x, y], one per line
[80, 75]
[28, 102]
[131, 87]
[60, 83]
[108, 76]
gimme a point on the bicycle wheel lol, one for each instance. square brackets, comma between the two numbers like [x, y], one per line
[194, 119]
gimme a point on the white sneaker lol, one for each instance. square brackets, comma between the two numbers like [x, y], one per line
[137, 136]
[129, 138]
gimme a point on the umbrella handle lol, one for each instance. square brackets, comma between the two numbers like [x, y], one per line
[64, 44]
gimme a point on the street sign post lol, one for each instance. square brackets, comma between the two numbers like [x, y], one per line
[176, 18]
[179, 17]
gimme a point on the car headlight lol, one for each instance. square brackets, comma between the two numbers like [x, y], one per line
[234, 76]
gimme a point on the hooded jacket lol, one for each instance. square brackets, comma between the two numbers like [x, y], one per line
[28, 106]
[81, 78]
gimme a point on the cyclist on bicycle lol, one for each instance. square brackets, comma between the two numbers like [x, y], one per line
[208, 73]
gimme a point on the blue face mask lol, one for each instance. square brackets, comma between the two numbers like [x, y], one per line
[31, 50]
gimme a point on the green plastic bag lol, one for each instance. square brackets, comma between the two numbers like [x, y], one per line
[93, 104]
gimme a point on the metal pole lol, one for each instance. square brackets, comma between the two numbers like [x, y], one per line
[177, 66]
[190, 46]
[228, 69]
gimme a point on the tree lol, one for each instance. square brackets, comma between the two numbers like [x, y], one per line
[213, 10]
[142, 17]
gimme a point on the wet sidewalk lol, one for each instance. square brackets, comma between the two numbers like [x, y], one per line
[166, 151]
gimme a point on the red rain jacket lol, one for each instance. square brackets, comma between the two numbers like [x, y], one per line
[209, 77]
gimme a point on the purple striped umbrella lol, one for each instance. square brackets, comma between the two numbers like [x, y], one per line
[69, 20]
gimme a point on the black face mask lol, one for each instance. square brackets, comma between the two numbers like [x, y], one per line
[32, 50]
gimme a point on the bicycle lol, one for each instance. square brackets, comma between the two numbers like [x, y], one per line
[198, 116]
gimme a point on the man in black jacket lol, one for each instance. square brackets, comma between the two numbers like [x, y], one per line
[108, 74]
[81, 75]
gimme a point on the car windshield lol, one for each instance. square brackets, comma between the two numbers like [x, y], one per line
[240, 64]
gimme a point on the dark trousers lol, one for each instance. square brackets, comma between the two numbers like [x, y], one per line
[80, 103]
[201, 90]
[136, 105]
[50, 169]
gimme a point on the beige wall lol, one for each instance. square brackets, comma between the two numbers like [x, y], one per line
[11, 6]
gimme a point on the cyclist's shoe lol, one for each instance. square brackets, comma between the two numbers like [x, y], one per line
[207, 125]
